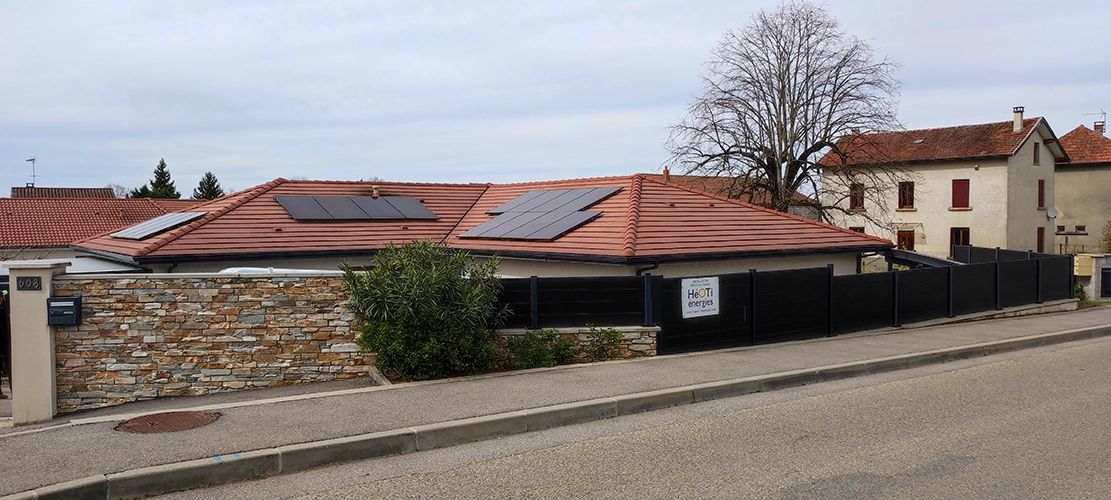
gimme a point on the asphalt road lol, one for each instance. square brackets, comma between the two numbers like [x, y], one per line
[1029, 424]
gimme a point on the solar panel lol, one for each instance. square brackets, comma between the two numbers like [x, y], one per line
[377, 208]
[303, 208]
[541, 215]
[157, 225]
[354, 207]
[564, 225]
[341, 207]
[410, 207]
[509, 205]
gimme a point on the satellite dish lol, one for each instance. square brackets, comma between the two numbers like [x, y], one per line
[1051, 213]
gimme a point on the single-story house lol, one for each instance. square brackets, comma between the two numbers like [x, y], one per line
[607, 226]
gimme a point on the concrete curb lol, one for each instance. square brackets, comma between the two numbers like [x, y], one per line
[160, 479]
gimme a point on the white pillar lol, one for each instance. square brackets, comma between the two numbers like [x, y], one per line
[34, 391]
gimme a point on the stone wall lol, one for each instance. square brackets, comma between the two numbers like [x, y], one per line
[636, 341]
[147, 336]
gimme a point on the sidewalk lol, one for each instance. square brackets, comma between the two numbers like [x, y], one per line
[85, 445]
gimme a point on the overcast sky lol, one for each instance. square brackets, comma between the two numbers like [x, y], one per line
[476, 91]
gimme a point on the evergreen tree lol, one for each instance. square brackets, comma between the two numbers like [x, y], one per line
[160, 187]
[208, 189]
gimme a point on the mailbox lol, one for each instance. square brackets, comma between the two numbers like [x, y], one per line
[63, 310]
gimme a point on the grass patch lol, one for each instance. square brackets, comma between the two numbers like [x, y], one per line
[1085, 304]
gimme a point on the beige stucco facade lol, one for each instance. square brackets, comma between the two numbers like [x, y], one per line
[1002, 207]
[1084, 194]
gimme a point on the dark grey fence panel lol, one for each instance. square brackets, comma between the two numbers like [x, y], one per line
[973, 288]
[862, 302]
[923, 294]
[516, 294]
[1056, 271]
[609, 300]
[731, 327]
[1013, 255]
[792, 304]
[961, 253]
[1018, 282]
[981, 254]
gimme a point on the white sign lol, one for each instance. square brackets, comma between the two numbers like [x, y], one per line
[700, 297]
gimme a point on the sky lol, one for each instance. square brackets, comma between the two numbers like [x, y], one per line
[476, 91]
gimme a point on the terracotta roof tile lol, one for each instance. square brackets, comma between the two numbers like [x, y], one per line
[51, 192]
[59, 222]
[964, 141]
[645, 219]
[1085, 145]
[726, 187]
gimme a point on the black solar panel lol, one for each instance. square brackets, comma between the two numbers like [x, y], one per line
[354, 207]
[341, 207]
[303, 208]
[377, 208]
[541, 215]
[157, 225]
[410, 207]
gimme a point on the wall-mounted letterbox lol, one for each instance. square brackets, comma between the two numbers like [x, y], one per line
[63, 310]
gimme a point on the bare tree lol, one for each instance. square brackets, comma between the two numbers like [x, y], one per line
[118, 190]
[778, 95]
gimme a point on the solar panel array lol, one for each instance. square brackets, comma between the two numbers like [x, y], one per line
[354, 208]
[157, 225]
[541, 215]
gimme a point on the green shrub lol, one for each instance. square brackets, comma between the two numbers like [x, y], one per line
[1078, 292]
[603, 344]
[533, 350]
[428, 311]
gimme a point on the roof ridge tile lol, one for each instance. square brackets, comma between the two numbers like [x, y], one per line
[628, 247]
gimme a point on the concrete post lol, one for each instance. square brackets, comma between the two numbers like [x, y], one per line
[34, 392]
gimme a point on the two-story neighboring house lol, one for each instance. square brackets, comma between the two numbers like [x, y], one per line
[1083, 189]
[988, 185]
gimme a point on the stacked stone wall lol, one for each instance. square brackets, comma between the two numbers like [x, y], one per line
[148, 336]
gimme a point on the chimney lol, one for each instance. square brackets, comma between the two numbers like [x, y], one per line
[667, 174]
[1099, 126]
[1018, 118]
[374, 192]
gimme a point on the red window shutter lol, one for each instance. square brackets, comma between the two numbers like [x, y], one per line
[1041, 239]
[1041, 193]
[960, 193]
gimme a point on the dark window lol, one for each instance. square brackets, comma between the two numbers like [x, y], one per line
[906, 240]
[1037, 153]
[857, 229]
[1041, 239]
[1041, 193]
[856, 196]
[1060, 229]
[906, 195]
[960, 193]
[958, 236]
[1079, 229]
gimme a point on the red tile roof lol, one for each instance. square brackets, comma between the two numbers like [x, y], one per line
[948, 143]
[253, 222]
[1085, 145]
[646, 220]
[58, 222]
[49, 192]
[726, 187]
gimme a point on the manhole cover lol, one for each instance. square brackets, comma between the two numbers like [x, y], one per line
[168, 422]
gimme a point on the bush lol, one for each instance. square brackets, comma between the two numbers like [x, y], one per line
[1078, 292]
[533, 350]
[428, 311]
[603, 344]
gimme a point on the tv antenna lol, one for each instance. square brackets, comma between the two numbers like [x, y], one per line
[33, 176]
[1102, 114]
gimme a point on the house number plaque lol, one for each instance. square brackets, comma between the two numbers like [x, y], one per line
[28, 283]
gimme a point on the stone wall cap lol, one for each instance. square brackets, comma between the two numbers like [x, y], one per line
[40, 264]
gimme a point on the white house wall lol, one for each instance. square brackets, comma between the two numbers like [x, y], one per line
[1084, 199]
[1023, 214]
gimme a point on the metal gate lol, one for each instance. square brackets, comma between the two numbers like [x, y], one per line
[1105, 283]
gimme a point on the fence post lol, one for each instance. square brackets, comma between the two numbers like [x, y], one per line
[1029, 254]
[752, 301]
[997, 254]
[951, 291]
[1072, 276]
[895, 299]
[1039, 280]
[998, 304]
[647, 299]
[534, 304]
[829, 323]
